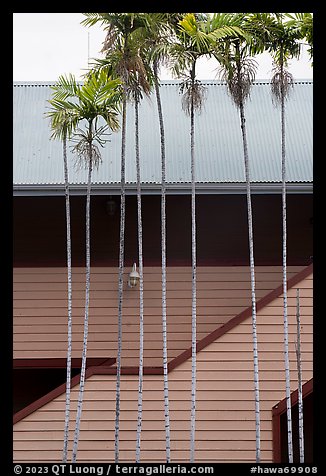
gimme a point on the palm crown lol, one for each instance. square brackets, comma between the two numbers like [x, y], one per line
[72, 103]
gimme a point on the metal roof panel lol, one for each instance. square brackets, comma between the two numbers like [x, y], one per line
[218, 140]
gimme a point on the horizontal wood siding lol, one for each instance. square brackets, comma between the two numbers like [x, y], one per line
[225, 428]
[40, 309]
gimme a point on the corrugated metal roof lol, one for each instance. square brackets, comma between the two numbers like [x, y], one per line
[219, 156]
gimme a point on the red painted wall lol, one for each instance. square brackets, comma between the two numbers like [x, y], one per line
[222, 235]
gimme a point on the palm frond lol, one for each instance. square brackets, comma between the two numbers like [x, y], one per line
[72, 103]
[65, 87]
[98, 87]
[110, 40]
[228, 32]
[180, 59]
[63, 113]
[193, 36]
[219, 20]
[116, 19]
[109, 111]
[105, 65]
[281, 39]
[63, 123]
[160, 53]
[63, 105]
[93, 18]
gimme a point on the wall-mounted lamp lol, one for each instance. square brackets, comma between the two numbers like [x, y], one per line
[133, 277]
[111, 206]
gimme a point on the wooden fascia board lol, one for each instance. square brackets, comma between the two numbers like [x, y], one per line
[56, 392]
[220, 331]
[103, 369]
[281, 408]
[59, 363]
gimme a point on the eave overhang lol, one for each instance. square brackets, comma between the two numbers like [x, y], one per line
[155, 189]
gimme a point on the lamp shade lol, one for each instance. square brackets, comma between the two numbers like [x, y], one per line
[133, 277]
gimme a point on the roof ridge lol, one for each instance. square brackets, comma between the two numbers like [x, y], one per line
[167, 82]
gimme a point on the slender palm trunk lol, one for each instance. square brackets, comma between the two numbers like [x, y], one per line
[121, 266]
[141, 289]
[69, 345]
[285, 317]
[87, 296]
[193, 312]
[299, 367]
[252, 279]
[163, 246]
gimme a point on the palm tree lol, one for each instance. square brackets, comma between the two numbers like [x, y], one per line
[283, 46]
[163, 252]
[97, 97]
[185, 54]
[141, 289]
[304, 23]
[238, 70]
[155, 33]
[159, 30]
[162, 31]
[141, 286]
[137, 85]
[299, 368]
[62, 126]
[122, 61]
[197, 36]
[193, 101]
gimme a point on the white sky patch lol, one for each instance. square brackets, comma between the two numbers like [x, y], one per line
[47, 45]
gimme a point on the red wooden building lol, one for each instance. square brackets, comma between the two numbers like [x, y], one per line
[225, 428]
